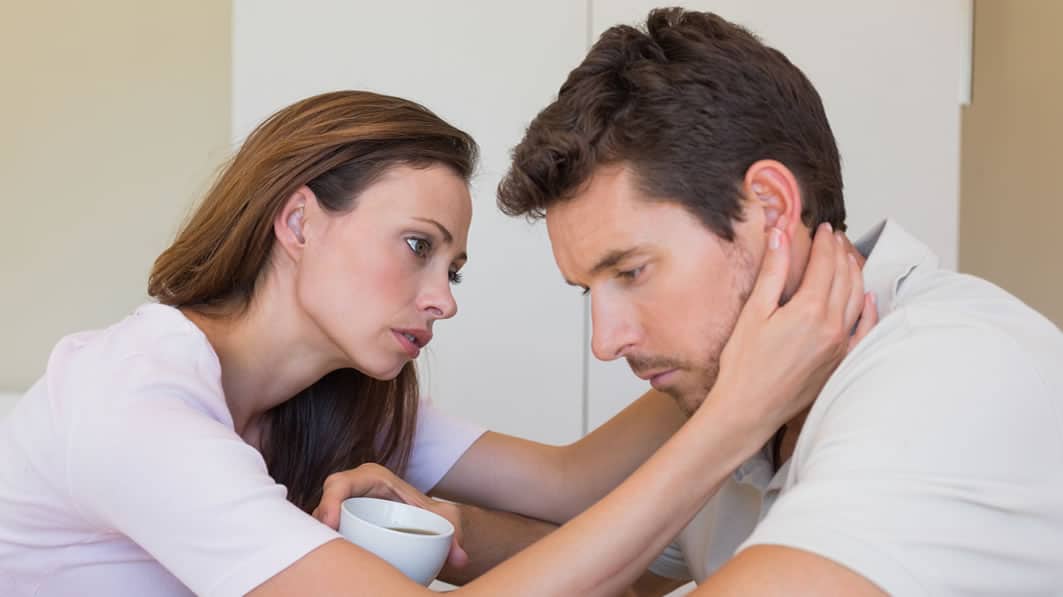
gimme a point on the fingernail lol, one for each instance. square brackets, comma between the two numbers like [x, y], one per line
[774, 238]
[838, 237]
[852, 257]
[874, 300]
[828, 226]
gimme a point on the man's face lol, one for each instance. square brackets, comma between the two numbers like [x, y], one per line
[665, 291]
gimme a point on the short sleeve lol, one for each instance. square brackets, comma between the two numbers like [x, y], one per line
[188, 490]
[439, 442]
[926, 473]
[671, 564]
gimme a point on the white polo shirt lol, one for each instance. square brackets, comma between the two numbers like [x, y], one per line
[932, 461]
[121, 473]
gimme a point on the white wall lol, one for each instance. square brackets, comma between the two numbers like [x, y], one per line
[889, 73]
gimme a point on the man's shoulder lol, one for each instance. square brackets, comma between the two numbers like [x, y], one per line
[947, 299]
[952, 317]
[960, 320]
[922, 354]
[975, 373]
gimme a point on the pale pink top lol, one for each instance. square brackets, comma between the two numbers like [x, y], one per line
[121, 473]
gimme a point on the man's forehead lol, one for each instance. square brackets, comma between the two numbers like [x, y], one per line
[603, 203]
[586, 247]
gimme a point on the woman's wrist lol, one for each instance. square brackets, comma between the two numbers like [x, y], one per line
[742, 427]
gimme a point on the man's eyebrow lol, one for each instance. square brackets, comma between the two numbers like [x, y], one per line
[607, 261]
[447, 236]
[612, 258]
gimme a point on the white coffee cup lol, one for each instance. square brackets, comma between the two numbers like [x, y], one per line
[369, 523]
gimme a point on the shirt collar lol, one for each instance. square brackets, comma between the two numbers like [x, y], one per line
[893, 256]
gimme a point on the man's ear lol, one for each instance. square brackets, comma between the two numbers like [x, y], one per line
[772, 186]
[290, 225]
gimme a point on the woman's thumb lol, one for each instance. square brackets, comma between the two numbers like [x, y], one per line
[457, 557]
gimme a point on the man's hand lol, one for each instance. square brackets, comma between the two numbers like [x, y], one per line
[491, 537]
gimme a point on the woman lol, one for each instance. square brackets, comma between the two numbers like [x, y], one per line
[152, 457]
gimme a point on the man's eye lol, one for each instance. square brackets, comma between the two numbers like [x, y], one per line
[419, 246]
[629, 274]
[456, 277]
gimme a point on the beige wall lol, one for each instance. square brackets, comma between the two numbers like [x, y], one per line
[113, 117]
[1011, 207]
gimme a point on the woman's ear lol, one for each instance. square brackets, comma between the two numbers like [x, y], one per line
[295, 223]
[772, 187]
[290, 224]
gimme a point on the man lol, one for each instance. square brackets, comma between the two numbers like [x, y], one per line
[931, 463]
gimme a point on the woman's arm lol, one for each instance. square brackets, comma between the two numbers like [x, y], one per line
[555, 483]
[597, 553]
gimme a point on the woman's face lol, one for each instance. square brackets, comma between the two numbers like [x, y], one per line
[376, 278]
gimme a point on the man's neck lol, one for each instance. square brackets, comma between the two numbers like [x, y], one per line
[790, 432]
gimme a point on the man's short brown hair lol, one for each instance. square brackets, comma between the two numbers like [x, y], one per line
[689, 103]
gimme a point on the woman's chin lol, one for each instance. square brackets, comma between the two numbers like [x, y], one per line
[384, 368]
[385, 374]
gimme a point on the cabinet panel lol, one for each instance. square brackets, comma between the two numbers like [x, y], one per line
[512, 358]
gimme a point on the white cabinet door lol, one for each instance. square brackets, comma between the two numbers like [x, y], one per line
[891, 75]
[512, 358]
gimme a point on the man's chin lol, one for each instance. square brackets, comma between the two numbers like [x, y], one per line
[687, 401]
[688, 398]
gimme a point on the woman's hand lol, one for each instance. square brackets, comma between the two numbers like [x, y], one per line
[778, 358]
[373, 480]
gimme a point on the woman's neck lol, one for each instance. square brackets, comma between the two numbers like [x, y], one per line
[268, 354]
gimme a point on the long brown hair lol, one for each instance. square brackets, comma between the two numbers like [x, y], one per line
[337, 144]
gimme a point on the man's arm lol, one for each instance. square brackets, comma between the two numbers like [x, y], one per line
[652, 585]
[555, 483]
[784, 571]
[489, 538]
[552, 483]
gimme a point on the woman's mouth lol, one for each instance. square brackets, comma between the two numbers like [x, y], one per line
[412, 341]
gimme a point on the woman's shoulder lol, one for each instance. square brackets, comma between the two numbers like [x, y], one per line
[153, 353]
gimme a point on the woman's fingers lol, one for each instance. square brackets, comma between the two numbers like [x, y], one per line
[868, 319]
[822, 264]
[373, 480]
[855, 301]
[774, 269]
[457, 558]
[842, 284]
[368, 480]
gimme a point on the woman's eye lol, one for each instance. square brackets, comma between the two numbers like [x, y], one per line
[419, 246]
[455, 277]
[629, 274]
